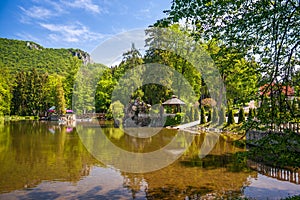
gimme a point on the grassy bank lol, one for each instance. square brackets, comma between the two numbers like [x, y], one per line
[17, 118]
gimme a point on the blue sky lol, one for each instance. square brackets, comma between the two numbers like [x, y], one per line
[80, 24]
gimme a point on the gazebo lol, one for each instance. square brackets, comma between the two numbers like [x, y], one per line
[175, 104]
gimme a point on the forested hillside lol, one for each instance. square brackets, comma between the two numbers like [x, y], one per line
[34, 78]
[19, 55]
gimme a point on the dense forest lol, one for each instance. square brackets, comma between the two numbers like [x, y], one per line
[239, 75]
[34, 78]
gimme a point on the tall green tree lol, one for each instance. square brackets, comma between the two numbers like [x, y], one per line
[104, 91]
[215, 116]
[265, 31]
[29, 93]
[202, 116]
[5, 91]
[85, 87]
[128, 84]
[172, 59]
[230, 119]
[241, 117]
[60, 101]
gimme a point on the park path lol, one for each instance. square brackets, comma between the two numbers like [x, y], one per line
[188, 125]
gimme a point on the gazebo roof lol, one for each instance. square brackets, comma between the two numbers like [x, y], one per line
[173, 101]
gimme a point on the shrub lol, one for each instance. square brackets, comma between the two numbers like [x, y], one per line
[208, 102]
[230, 119]
[222, 116]
[202, 117]
[241, 118]
[251, 114]
[209, 115]
[187, 117]
[192, 114]
[174, 120]
[196, 114]
[215, 116]
[116, 109]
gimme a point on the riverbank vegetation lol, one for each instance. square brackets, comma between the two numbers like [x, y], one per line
[254, 64]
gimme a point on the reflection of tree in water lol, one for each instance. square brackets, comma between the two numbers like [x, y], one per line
[34, 154]
[134, 183]
[219, 174]
[135, 144]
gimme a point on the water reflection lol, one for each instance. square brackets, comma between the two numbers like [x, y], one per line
[49, 161]
[31, 153]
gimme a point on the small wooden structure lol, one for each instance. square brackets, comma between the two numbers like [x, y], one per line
[175, 104]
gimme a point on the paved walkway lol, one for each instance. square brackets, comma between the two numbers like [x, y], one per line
[188, 125]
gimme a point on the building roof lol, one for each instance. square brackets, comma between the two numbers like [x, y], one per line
[287, 90]
[173, 101]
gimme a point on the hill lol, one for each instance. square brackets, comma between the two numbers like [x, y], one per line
[17, 55]
[34, 78]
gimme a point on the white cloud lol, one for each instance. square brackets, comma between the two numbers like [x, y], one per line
[46, 9]
[84, 4]
[38, 12]
[71, 33]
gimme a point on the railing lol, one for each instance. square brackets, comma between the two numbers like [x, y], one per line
[292, 176]
[292, 126]
[90, 115]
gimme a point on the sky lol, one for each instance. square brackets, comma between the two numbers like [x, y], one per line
[82, 24]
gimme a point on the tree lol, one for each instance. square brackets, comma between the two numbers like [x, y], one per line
[196, 114]
[29, 93]
[104, 91]
[209, 115]
[241, 117]
[222, 115]
[5, 91]
[230, 119]
[192, 114]
[250, 114]
[85, 86]
[215, 116]
[202, 116]
[265, 31]
[239, 75]
[173, 59]
[128, 77]
[60, 102]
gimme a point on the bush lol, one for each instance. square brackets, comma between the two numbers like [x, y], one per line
[187, 117]
[215, 116]
[250, 114]
[192, 114]
[222, 115]
[208, 102]
[196, 114]
[174, 120]
[202, 117]
[116, 110]
[230, 119]
[241, 118]
[209, 115]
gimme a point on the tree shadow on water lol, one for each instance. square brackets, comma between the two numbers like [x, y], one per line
[38, 194]
[230, 161]
[173, 192]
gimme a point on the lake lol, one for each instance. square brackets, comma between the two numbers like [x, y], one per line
[93, 160]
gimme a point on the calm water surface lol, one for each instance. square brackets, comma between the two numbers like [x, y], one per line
[45, 160]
